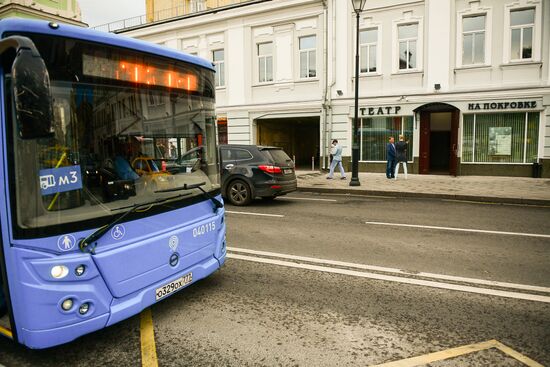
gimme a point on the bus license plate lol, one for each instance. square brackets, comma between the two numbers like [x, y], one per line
[173, 286]
[288, 171]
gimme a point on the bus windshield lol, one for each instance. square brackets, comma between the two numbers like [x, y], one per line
[127, 127]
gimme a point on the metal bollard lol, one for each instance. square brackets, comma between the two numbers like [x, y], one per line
[313, 163]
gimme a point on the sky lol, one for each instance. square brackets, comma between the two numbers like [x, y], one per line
[99, 12]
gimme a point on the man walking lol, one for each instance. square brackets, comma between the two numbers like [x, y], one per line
[336, 160]
[391, 157]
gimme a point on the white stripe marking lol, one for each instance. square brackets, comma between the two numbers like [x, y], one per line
[390, 278]
[306, 199]
[394, 271]
[460, 229]
[258, 214]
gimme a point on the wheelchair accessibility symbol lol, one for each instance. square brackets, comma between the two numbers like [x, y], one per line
[118, 232]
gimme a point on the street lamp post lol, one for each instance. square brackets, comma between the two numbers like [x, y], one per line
[358, 6]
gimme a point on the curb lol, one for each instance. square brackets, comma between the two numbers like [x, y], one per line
[421, 195]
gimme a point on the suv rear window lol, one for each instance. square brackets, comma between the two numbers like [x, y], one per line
[278, 156]
[240, 154]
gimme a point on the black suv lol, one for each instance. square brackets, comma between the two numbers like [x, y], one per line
[250, 171]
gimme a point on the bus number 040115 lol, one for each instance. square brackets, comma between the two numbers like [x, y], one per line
[203, 229]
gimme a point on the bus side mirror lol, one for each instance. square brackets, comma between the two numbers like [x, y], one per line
[31, 88]
[32, 96]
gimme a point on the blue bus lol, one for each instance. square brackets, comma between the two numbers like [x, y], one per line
[99, 217]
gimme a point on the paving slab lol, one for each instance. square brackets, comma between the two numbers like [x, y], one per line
[511, 190]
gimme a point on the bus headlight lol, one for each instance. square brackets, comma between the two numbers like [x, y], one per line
[67, 304]
[59, 271]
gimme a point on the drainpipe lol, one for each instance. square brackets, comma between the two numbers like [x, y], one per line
[327, 90]
[325, 106]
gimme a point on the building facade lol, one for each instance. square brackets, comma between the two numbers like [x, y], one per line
[66, 11]
[465, 81]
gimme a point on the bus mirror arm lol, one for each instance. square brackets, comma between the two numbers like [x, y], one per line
[31, 88]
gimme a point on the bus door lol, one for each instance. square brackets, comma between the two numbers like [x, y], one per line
[28, 72]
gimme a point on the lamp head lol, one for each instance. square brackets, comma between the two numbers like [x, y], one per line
[358, 5]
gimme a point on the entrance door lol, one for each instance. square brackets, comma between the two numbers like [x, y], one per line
[425, 131]
[453, 159]
[439, 140]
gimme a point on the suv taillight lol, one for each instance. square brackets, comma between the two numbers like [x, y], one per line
[270, 169]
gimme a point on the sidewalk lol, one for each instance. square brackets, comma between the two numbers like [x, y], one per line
[513, 190]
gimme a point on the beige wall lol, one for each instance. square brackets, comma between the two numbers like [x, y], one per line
[164, 9]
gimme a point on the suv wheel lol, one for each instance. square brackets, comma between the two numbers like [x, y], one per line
[239, 193]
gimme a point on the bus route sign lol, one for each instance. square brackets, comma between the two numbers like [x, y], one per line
[55, 180]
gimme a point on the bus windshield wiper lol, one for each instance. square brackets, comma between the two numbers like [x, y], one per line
[86, 242]
[217, 203]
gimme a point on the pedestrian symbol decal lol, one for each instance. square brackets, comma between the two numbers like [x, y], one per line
[66, 242]
[118, 232]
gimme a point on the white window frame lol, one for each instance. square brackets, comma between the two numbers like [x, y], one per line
[460, 35]
[474, 34]
[522, 28]
[368, 45]
[308, 52]
[537, 31]
[265, 57]
[219, 65]
[419, 45]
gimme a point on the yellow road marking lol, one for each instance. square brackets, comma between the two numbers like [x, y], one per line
[6, 332]
[148, 347]
[520, 357]
[459, 351]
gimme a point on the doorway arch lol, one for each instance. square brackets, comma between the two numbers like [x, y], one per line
[438, 148]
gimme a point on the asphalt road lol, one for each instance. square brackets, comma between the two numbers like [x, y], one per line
[282, 299]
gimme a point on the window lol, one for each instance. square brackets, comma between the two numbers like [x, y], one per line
[368, 45]
[500, 137]
[308, 64]
[240, 154]
[375, 132]
[219, 65]
[198, 5]
[473, 39]
[265, 62]
[522, 25]
[407, 35]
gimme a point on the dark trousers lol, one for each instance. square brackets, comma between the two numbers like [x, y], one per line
[390, 168]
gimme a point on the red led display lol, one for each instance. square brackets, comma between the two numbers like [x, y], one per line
[139, 73]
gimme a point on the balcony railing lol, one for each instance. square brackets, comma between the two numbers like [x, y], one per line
[194, 6]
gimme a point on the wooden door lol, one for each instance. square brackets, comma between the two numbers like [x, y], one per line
[453, 159]
[425, 130]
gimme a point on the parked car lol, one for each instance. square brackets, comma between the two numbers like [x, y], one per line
[250, 171]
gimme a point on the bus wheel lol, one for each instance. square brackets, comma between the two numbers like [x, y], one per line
[239, 193]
